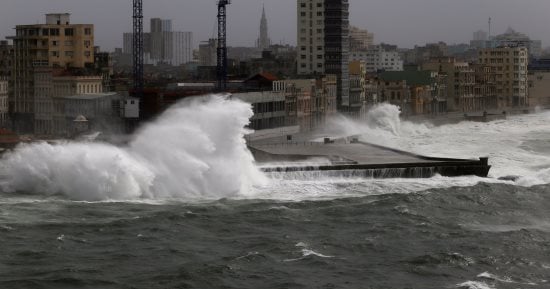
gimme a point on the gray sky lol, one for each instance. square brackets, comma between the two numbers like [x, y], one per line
[402, 22]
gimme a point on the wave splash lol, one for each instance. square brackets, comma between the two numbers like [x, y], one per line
[518, 146]
[195, 150]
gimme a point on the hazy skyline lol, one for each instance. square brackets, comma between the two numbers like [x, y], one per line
[402, 22]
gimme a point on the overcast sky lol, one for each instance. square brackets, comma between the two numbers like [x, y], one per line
[403, 22]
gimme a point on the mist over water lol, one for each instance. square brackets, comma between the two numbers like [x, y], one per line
[195, 150]
[518, 146]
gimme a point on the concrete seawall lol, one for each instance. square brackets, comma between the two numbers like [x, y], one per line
[360, 159]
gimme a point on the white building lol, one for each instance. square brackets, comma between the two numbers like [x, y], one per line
[182, 48]
[376, 58]
[162, 45]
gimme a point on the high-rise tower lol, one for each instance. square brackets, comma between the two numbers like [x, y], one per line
[263, 42]
[323, 42]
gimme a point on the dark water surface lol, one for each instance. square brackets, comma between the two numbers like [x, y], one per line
[483, 236]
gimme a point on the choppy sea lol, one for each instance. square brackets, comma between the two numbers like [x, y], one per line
[86, 215]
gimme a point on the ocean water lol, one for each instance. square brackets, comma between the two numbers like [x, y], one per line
[184, 206]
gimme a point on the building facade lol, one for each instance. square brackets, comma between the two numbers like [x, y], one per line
[377, 58]
[323, 42]
[508, 66]
[58, 43]
[360, 39]
[460, 83]
[162, 45]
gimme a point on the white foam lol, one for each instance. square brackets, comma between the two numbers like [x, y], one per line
[474, 285]
[504, 141]
[306, 253]
[489, 276]
[195, 150]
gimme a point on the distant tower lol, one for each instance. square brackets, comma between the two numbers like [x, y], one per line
[263, 42]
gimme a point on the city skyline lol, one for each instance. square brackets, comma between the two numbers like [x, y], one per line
[389, 20]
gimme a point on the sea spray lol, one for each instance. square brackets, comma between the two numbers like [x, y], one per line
[516, 147]
[195, 150]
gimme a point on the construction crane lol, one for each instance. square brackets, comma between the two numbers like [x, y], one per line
[222, 45]
[137, 47]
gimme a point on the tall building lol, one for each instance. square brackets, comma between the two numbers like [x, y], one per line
[323, 42]
[161, 39]
[263, 41]
[508, 68]
[182, 48]
[162, 45]
[58, 43]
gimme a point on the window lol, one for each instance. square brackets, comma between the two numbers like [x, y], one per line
[54, 32]
[87, 31]
[55, 53]
[55, 43]
[87, 53]
[69, 53]
[303, 5]
[69, 43]
[69, 32]
[87, 43]
[303, 14]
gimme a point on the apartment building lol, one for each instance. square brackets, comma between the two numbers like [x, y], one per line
[323, 42]
[460, 83]
[377, 58]
[57, 43]
[508, 67]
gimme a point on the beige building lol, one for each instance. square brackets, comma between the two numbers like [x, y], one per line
[57, 43]
[51, 87]
[357, 87]
[460, 83]
[360, 39]
[508, 67]
[539, 89]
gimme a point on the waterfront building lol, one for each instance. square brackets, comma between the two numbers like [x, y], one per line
[57, 43]
[508, 66]
[357, 75]
[539, 83]
[460, 83]
[323, 42]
